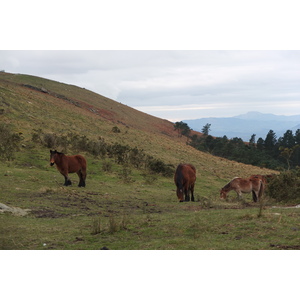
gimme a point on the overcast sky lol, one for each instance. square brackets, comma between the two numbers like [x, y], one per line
[175, 85]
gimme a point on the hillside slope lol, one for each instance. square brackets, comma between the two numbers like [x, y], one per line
[29, 102]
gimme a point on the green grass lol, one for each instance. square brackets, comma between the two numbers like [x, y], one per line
[121, 209]
[115, 214]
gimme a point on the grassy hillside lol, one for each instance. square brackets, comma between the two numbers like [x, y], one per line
[30, 103]
[122, 207]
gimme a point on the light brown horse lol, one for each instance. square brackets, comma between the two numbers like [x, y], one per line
[242, 185]
[69, 164]
[184, 178]
[264, 178]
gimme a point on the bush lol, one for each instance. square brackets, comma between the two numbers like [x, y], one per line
[9, 142]
[159, 167]
[122, 154]
[106, 166]
[116, 129]
[137, 157]
[285, 187]
[125, 174]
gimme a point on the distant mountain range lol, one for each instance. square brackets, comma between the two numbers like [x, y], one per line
[243, 126]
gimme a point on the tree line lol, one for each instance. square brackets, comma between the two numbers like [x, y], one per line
[272, 152]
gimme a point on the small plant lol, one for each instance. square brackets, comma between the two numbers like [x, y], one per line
[125, 174]
[261, 207]
[116, 129]
[205, 202]
[113, 225]
[96, 226]
[149, 178]
[106, 166]
[124, 222]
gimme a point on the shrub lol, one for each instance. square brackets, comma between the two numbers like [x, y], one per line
[119, 152]
[96, 226]
[50, 140]
[125, 174]
[116, 129]
[285, 187]
[137, 157]
[97, 148]
[158, 166]
[106, 166]
[9, 142]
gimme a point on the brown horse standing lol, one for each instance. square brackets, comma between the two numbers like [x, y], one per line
[240, 185]
[69, 164]
[185, 177]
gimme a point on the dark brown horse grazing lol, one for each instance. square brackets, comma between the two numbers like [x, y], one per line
[69, 164]
[241, 185]
[185, 177]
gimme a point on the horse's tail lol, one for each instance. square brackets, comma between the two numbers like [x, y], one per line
[83, 165]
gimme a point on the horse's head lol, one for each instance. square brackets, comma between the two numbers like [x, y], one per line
[180, 194]
[223, 194]
[52, 157]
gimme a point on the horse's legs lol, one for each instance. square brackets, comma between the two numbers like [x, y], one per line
[239, 195]
[81, 179]
[255, 196]
[187, 194]
[192, 192]
[67, 180]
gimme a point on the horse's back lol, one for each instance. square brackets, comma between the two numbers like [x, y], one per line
[76, 162]
[80, 158]
[192, 172]
[240, 185]
[185, 173]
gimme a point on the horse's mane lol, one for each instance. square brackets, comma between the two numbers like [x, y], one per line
[228, 185]
[179, 178]
[60, 153]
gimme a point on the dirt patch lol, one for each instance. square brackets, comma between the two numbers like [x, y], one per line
[285, 247]
[46, 213]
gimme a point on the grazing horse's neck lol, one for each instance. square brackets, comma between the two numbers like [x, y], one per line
[59, 157]
[227, 188]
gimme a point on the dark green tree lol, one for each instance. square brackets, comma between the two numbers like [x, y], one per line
[206, 129]
[260, 144]
[182, 128]
[288, 140]
[252, 140]
[270, 141]
[297, 137]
